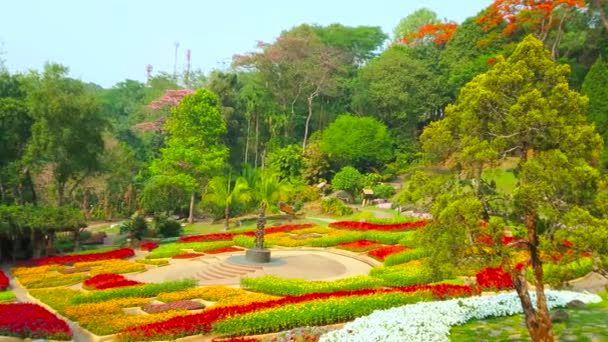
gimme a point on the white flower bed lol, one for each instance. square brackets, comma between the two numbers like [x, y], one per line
[431, 321]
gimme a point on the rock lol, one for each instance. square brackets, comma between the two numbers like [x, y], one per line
[575, 304]
[559, 316]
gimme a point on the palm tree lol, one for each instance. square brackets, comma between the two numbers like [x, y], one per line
[269, 190]
[220, 193]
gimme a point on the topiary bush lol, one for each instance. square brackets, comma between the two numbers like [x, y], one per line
[348, 179]
[383, 191]
[167, 227]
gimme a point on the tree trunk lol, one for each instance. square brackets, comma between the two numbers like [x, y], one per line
[191, 212]
[76, 239]
[310, 99]
[247, 139]
[226, 218]
[257, 141]
[259, 232]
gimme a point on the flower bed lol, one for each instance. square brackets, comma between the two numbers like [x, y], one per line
[7, 296]
[297, 287]
[107, 281]
[148, 245]
[494, 278]
[111, 266]
[144, 290]
[71, 259]
[189, 255]
[382, 252]
[431, 321]
[202, 322]
[224, 250]
[172, 249]
[221, 295]
[26, 320]
[3, 281]
[375, 226]
[406, 256]
[179, 305]
[155, 262]
[46, 276]
[229, 236]
[358, 245]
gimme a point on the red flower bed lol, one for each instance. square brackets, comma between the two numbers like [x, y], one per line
[188, 255]
[224, 250]
[202, 322]
[494, 278]
[148, 245]
[383, 252]
[70, 259]
[26, 320]
[374, 226]
[237, 339]
[179, 305]
[3, 281]
[108, 281]
[359, 245]
[229, 236]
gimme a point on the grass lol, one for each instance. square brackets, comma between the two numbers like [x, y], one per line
[587, 324]
[504, 179]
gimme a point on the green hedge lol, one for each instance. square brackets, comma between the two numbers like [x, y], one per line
[320, 312]
[296, 287]
[403, 257]
[6, 296]
[396, 276]
[173, 249]
[247, 241]
[145, 291]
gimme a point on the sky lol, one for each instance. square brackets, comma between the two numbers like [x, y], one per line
[108, 41]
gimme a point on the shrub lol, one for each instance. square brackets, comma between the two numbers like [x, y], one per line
[146, 290]
[348, 179]
[136, 226]
[334, 206]
[384, 191]
[167, 227]
[557, 274]
[405, 256]
[296, 287]
[322, 312]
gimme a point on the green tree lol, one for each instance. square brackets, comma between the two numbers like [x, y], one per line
[163, 193]
[222, 193]
[362, 142]
[66, 133]
[522, 106]
[348, 179]
[287, 161]
[594, 87]
[194, 150]
[414, 22]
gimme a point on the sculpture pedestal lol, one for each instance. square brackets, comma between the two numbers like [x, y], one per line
[257, 255]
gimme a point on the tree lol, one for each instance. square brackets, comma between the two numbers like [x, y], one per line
[194, 150]
[66, 133]
[413, 22]
[269, 190]
[594, 87]
[361, 142]
[287, 161]
[221, 193]
[521, 107]
[348, 179]
[162, 194]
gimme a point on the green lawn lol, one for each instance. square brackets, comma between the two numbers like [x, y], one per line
[587, 324]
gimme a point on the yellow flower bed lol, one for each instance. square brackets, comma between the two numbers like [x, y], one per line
[46, 276]
[315, 229]
[286, 239]
[155, 262]
[57, 298]
[221, 295]
[111, 266]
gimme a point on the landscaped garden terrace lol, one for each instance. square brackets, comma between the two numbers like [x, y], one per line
[96, 291]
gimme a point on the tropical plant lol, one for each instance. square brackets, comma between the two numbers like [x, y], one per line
[220, 193]
[269, 190]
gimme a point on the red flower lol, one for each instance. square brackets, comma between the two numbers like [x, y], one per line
[224, 250]
[383, 252]
[4, 282]
[567, 243]
[374, 226]
[229, 236]
[148, 245]
[188, 255]
[107, 281]
[70, 259]
[494, 278]
[28, 320]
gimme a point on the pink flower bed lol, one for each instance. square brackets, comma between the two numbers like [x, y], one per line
[108, 281]
[374, 226]
[229, 236]
[26, 320]
[178, 305]
[383, 252]
[4, 282]
[70, 259]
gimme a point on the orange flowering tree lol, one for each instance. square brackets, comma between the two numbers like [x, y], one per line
[438, 34]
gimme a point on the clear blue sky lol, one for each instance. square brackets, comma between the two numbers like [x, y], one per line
[106, 41]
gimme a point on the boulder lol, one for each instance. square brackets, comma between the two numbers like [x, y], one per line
[575, 304]
[559, 315]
